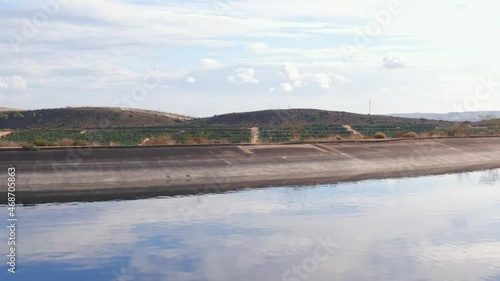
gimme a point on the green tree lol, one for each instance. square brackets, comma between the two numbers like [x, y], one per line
[18, 115]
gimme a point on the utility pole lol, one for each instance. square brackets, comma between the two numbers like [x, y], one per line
[370, 107]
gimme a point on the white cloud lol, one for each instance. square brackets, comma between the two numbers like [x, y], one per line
[123, 36]
[322, 8]
[386, 90]
[190, 80]
[392, 63]
[286, 87]
[13, 83]
[256, 47]
[305, 53]
[290, 71]
[297, 84]
[243, 75]
[210, 64]
[323, 80]
[339, 79]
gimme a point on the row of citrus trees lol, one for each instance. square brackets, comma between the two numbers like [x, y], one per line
[128, 136]
[458, 130]
[221, 134]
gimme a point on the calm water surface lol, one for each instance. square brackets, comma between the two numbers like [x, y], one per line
[429, 228]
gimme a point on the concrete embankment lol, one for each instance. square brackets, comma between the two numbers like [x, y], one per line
[123, 173]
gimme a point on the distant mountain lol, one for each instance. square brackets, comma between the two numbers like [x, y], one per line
[472, 116]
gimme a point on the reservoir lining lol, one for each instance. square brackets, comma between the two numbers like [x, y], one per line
[88, 174]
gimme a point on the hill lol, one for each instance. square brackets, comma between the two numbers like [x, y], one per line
[161, 113]
[298, 124]
[104, 126]
[86, 117]
[300, 117]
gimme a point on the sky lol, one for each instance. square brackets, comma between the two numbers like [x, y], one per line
[202, 58]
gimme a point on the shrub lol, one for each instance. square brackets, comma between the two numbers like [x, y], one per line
[8, 144]
[399, 134]
[42, 142]
[379, 135]
[458, 131]
[71, 142]
[197, 140]
[438, 134]
[65, 142]
[355, 137]
[80, 143]
[18, 115]
[164, 139]
[336, 138]
[410, 135]
[4, 116]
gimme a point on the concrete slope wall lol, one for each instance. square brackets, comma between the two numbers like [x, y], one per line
[121, 173]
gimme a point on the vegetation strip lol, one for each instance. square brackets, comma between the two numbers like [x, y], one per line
[111, 127]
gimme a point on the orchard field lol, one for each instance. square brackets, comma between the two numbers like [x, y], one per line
[134, 135]
[205, 134]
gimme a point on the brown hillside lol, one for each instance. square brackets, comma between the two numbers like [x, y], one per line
[84, 117]
[297, 117]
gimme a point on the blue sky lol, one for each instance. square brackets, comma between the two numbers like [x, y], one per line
[210, 57]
